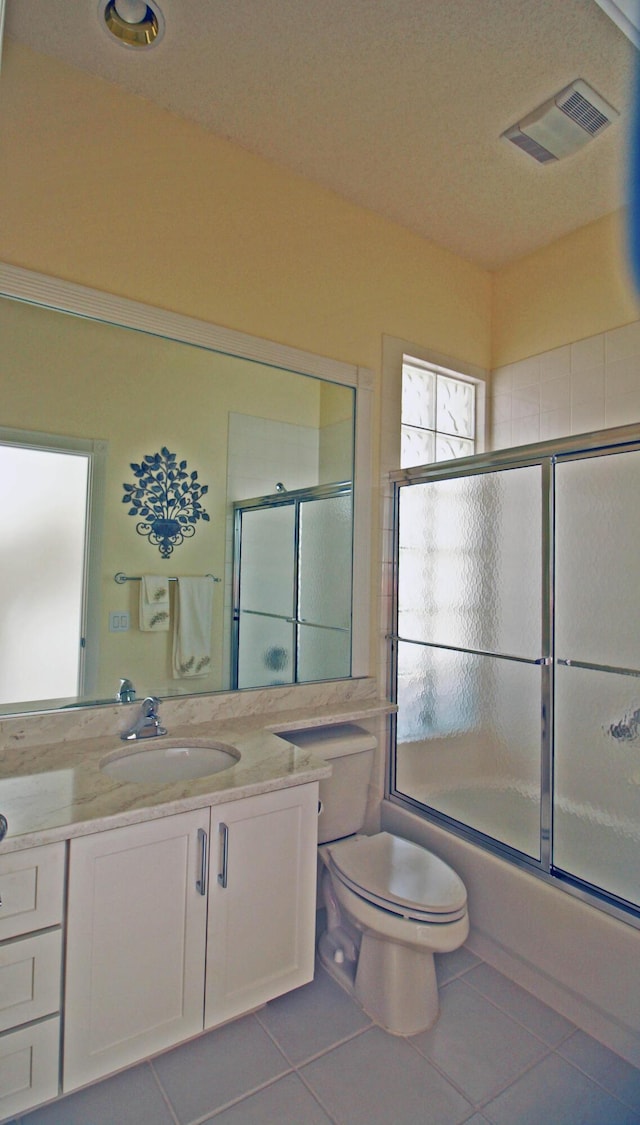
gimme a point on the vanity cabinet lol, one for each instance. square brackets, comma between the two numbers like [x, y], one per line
[31, 911]
[159, 947]
[136, 931]
[262, 900]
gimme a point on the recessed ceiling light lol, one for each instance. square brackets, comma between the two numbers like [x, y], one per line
[133, 23]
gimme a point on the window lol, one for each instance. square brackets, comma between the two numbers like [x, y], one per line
[438, 414]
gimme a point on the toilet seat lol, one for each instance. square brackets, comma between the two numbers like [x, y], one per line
[400, 877]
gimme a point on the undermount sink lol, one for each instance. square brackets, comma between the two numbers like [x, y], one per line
[163, 762]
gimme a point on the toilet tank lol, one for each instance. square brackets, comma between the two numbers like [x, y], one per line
[343, 796]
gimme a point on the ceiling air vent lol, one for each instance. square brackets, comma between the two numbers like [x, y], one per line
[563, 124]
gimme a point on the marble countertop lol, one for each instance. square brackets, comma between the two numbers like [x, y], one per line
[56, 791]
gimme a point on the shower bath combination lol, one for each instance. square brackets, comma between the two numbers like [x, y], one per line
[291, 599]
[516, 658]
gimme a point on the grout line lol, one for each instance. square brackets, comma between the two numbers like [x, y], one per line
[212, 1114]
[322, 1051]
[163, 1092]
[598, 1083]
[518, 1021]
[514, 1081]
[318, 1099]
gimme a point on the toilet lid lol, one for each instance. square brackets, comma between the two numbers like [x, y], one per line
[400, 876]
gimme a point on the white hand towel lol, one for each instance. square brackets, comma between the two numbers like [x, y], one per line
[192, 627]
[154, 603]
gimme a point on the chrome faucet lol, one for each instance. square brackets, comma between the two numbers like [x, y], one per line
[126, 692]
[147, 725]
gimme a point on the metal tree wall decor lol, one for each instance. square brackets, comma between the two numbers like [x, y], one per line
[167, 497]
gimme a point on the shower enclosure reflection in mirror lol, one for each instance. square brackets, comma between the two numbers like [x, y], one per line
[107, 378]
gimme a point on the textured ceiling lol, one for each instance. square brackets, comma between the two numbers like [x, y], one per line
[397, 105]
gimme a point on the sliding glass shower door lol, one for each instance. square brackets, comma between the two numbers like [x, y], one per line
[596, 809]
[516, 657]
[292, 605]
[470, 657]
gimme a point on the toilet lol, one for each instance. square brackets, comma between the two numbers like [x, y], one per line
[390, 903]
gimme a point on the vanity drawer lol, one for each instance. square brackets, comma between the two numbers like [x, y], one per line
[30, 971]
[31, 889]
[29, 1065]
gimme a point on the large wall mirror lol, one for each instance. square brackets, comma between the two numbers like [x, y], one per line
[109, 406]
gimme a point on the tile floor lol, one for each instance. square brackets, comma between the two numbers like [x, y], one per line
[313, 1058]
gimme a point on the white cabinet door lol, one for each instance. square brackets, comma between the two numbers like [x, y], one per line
[262, 899]
[135, 943]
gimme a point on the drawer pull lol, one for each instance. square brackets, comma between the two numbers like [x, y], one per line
[4, 826]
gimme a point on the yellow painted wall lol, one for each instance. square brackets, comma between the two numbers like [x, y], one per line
[105, 189]
[576, 287]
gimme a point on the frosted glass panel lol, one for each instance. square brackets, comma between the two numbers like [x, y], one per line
[469, 741]
[323, 654]
[597, 780]
[598, 560]
[470, 569]
[267, 560]
[43, 508]
[266, 651]
[324, 568]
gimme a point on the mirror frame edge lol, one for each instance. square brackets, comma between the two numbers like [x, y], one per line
[50, 292]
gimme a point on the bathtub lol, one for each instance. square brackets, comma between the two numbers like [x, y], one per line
[572, 955]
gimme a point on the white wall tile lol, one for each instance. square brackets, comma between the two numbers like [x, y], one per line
[588, 353]
[525, 402]
[587, 416]
[525, 372]
[501, 408]
[555, 424]
[501, 381]
[622, 342]
[587, 385]
[622, 376]
[555, 394]
[622, 410]
[526, 430]
[501, 436]
[579, 387]
[556, 363]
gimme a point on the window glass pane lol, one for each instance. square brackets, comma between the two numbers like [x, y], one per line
[418, 397]
[417, 447]
[455, 413]
[448, 447]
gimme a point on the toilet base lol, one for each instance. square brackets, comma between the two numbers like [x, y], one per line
[397, 986]
[331, 952]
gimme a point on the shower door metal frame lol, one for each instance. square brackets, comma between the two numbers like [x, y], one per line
[546, 454]
[295, 498]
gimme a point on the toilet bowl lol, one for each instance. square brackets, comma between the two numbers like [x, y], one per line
[391, 905]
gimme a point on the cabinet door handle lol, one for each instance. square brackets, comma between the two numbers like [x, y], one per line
[223, 829]
[201, 883]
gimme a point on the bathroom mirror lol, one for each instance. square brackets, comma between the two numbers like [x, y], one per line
[109, 382]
